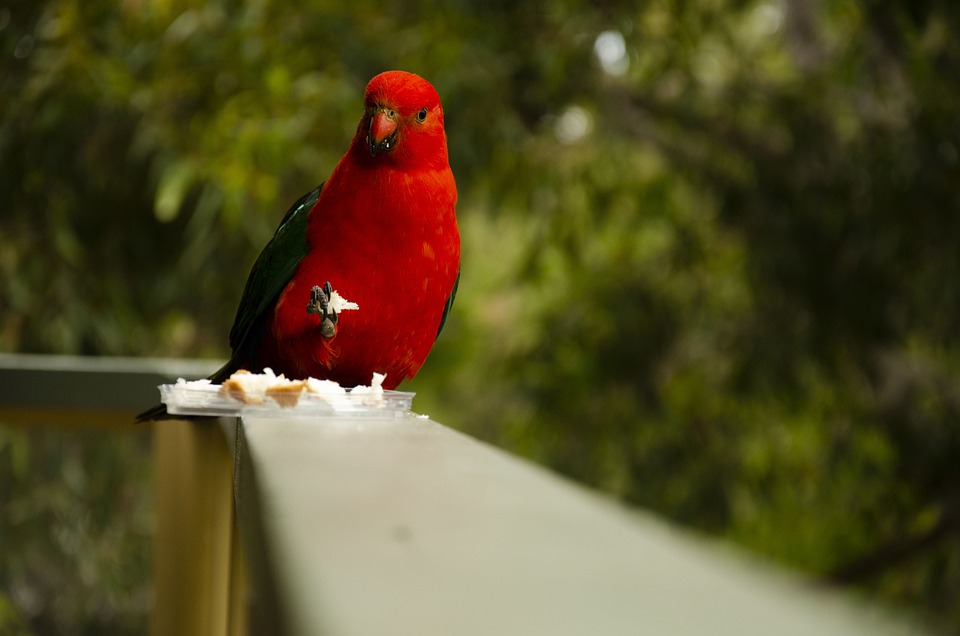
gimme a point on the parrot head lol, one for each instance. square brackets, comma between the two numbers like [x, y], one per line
[402, 122]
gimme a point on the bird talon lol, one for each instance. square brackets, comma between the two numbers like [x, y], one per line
[315, 306]
[320, 305]
[327, 328]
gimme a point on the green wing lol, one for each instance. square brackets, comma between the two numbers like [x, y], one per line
[449, 305]
[270, 274]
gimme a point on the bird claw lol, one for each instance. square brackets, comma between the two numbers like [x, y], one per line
[320, 304]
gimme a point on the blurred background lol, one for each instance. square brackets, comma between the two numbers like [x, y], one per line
[711, 257]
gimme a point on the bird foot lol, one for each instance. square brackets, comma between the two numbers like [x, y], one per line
[320, 304]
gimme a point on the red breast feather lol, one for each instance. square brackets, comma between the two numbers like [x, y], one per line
[384, 233]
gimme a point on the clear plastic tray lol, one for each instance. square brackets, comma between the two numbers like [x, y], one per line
[207, 400]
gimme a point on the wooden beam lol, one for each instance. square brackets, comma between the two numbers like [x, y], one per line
[199, 579]
[85, 391]
[199, 576]
[402, 526]
[406, 527]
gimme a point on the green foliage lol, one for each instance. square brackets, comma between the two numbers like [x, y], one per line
[710, 249]
[75, 531]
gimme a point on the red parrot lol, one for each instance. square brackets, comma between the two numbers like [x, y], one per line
[382, 232]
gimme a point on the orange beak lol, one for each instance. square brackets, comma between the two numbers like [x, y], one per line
[383, 130]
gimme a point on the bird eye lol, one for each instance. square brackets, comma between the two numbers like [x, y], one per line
[422, 115]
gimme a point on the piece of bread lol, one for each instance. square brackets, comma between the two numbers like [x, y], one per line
[286, 392]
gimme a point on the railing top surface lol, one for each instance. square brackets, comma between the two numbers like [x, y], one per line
[404, 526]
[79, 383]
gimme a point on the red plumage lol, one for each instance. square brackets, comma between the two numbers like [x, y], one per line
[384, 233]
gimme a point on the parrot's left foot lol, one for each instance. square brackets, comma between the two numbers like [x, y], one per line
[320, 304]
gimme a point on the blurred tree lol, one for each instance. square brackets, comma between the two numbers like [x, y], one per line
[75, 531]
[710, 249]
